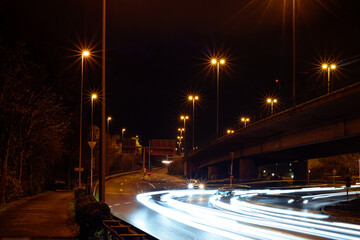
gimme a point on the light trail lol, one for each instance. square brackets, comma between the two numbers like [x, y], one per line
[244, 220]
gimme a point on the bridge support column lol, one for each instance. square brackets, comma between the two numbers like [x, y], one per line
[247, 168]
[300, 172]
[213, 172]
[191, 169]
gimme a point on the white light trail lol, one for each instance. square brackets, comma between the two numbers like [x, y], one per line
[245, 220]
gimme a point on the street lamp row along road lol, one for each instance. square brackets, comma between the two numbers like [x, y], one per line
[184, 118]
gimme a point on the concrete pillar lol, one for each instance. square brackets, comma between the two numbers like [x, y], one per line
[185, 168]
[192, 168]
[213, 172]
[247, 168]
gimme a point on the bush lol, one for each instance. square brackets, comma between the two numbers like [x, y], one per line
[89, 213]
[13, 189]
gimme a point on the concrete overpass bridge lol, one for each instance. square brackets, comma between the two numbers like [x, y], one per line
[325, 126]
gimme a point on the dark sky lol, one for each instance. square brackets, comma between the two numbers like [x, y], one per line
[157, 52]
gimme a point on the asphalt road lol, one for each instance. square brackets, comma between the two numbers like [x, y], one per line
[196, 215]
[121, 197]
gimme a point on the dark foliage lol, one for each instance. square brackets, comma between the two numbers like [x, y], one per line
[89, 213]
[33, 124]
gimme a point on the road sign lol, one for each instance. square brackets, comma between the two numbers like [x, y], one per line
[231, 176]
[92, 144]
[162, 147]
[334, 171]
[149, 173]
[129, 145]
[78, 169]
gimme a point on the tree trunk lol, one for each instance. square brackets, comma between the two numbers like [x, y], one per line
[21, 164]
[4, 169]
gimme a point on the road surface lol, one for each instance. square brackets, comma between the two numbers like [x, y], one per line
[206, 214]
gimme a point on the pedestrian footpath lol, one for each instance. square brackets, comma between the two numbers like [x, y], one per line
[45, 216]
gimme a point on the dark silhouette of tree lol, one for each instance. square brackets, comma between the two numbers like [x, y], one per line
[33, 122]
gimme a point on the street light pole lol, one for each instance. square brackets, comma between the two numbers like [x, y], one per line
[103, 140]
[94, 96]
[293, 41]
[245, 120]
[217, 98]
[193, 99]
[108, 124]
[122, 134]
[183, 117]
[328, 68]
[84, 54]
[271, 101]
[217, 62]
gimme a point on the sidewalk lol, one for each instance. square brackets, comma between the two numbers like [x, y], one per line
[44, 216]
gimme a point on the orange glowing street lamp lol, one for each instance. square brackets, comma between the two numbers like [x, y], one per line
[84, 54]
[184, 118]
[92, 144]
[108, 122]
[245, 120]
[271, 101]
[193, 99]
[229, 131]
[217, 62]
[328, 67]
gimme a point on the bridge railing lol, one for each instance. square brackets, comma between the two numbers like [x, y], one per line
[258, 118]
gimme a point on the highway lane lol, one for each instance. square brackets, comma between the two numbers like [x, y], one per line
[121, 197]
[198, 214]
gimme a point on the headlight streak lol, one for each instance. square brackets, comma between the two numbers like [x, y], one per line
[292, 223]
[225, 220]
[182, 217]
[269, 210]
[234, 222]
[327, 195]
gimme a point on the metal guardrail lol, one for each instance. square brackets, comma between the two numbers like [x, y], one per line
[117, 229]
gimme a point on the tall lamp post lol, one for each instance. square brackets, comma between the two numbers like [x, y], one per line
[103, 104]
[328, 68]
[108, 124]
[217, 62]
[294, 50]
[122, 134]
[92, 145]
[184, 118]
[83, 55]
[271, 101]
[193, 99]
[107, 145]
[245, 120]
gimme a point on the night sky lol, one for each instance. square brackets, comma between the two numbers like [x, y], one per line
[158, 52]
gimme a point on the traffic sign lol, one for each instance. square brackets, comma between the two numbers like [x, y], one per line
[149, 173]
[231, 176]
[78, 169]
[334, 171]
[92, 144]
[163, 147]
